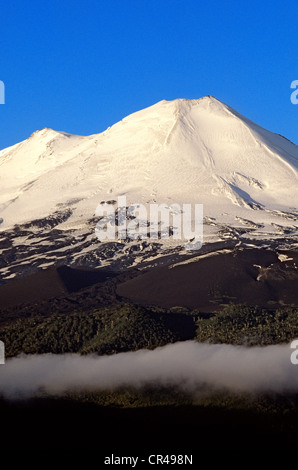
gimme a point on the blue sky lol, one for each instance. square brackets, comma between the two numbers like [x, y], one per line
[82, 66]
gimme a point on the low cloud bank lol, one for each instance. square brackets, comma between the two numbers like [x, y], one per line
[187, 365]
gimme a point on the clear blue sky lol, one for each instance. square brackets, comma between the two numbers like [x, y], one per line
[81, 66]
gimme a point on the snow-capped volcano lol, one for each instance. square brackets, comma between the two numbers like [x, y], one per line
[181, 151]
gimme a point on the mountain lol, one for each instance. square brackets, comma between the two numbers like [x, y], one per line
[182, 151]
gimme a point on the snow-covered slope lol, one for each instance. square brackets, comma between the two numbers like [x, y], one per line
[181, 151]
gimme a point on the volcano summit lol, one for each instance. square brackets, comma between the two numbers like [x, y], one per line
[181, 151]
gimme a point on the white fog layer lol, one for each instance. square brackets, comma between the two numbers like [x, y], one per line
[187, 365]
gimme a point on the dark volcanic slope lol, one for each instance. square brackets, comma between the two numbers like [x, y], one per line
[251, 276]
[47, 284]
[30, 289]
